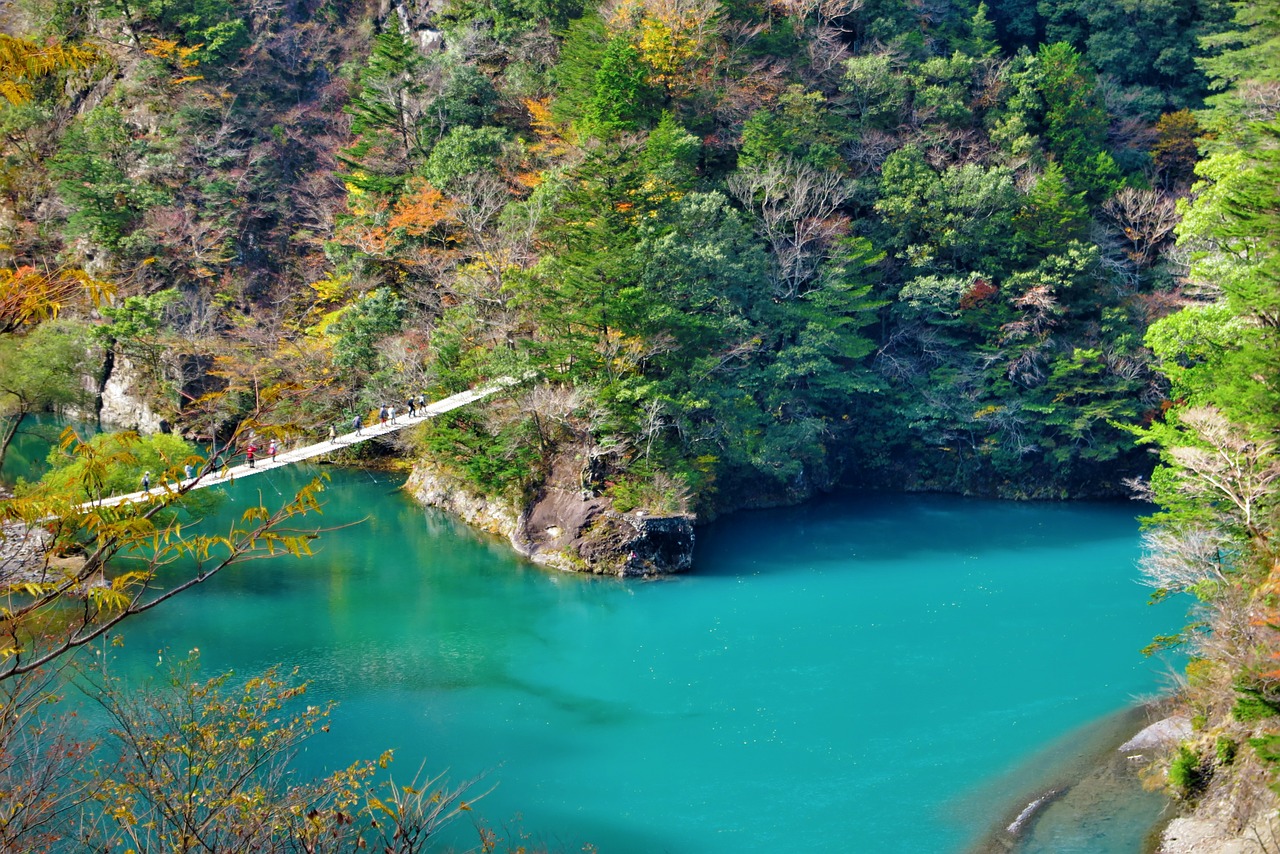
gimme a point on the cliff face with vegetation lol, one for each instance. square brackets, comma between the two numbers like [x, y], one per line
[747, 251]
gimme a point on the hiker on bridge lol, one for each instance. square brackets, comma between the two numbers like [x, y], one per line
[356, 424]
[249, 452]
[382, 415]
[271, 450]
[333, 435]
[413, 408]
[146, 481]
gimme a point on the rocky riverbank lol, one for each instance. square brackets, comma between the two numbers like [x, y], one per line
[1235, 815]
[566, 528]
[25, 557]
[1089, 788]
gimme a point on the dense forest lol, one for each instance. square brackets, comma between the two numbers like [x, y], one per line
[749, 250]
[741, 252]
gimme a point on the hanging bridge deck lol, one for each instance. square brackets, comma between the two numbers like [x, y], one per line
[284, 458]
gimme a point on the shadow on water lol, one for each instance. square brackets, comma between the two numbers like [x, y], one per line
[900, 527]
[578, 707]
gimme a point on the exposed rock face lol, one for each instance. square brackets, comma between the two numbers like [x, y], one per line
[25, 557]
[647, 545]
[123, 403]
[568, 529]
[1236, 814]
[436, 489]
[22, 553]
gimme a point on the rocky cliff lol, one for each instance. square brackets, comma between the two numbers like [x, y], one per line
[567, 529]
[124, 403]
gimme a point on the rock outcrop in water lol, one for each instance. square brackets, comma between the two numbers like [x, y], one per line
[567, 528]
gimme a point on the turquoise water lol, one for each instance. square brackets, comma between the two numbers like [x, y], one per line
[865, 673]
[27, 455]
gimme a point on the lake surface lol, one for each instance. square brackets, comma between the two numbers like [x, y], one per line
[27, 457]
[867, 672]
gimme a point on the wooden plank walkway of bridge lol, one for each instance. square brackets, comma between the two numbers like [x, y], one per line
[265, 464]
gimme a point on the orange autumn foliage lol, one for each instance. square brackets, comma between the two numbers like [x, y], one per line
[425, 212]
[550, 133]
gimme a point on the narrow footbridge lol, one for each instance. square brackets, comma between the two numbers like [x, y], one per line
[284, 458]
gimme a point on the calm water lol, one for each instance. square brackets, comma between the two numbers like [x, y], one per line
[866, 673]
[27, 457]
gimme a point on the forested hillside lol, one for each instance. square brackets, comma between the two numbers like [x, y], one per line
[1214, 537]
[749, 249]
[744, 251]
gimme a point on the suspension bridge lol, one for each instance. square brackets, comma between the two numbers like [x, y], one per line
[264, 463]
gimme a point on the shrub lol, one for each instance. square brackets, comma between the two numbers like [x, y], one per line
[1225, 748]
[1252, 706]
[1186, 773]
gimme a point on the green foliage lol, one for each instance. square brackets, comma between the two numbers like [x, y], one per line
[1186, 773]
[503, 462]
[575, 292]
[467, 97]
[1243, 57]
[986, 343]
[96, 166]
[701, 280]
[822, 361]
[362, 326]
[799, 126]
[215, 27]
[574, 75]
[408, 102]
[621, 99]
[877, 93]
[1190, 346]
[389, 75]
[113, 464]
[40, 370]
[961, 217]
[136, 321]
[671, 153]
[1267, 748]
[43, 368]
[1052, 215]
[981, 43]
[1252, 705]
[463, 152]
[1233, 227]
[510, 18]
[1149, 46]
[1075, 123]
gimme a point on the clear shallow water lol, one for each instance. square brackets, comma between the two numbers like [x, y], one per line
[864, 673]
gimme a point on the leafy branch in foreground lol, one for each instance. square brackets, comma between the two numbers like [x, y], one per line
[204, 766]
[45, 616]
[189, 763]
